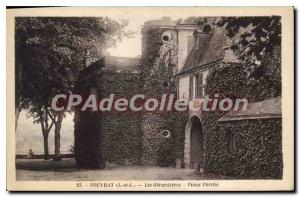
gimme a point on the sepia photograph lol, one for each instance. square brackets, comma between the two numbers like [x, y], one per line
[160, 99]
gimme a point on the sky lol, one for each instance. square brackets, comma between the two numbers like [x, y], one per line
[129, 47]
[132, 47]
[29, 135]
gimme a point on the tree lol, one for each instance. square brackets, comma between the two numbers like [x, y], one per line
[49, 54]
[41, 117]
[257, 41]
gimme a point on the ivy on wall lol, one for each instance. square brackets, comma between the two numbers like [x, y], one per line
[122, 135]
[249, 149]
[134, 138]
[88, 135]
[159, 61]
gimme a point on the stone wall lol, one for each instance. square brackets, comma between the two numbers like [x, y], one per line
[88, 135]
[133, 138]
[185, 37]
[122, 134]
[248, 149]
[109, 136]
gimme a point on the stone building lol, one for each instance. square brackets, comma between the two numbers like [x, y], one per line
[177, 57]
[210, 49]
[256, 138]
[217, 141]
[132, 138]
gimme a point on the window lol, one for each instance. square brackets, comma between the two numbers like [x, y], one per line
[165, 38]
[165, 84]
[165, 133]
[201, 84]
[197, 85]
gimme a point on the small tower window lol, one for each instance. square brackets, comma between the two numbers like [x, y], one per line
[165, 84]
[166, 37]
[165, 133]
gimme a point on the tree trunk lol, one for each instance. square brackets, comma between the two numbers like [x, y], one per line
[46, 148]
[18, 90]
[57, 156]
[45, 132]
[17, 113]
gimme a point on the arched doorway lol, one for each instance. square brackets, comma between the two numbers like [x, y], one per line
[194, 144]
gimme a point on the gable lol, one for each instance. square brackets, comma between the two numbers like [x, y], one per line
[207, 49]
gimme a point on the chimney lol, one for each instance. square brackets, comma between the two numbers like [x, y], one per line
[202, 38]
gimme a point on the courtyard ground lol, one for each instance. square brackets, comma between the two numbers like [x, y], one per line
[65, 171]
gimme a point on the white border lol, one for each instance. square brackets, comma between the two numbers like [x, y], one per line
[5, 3]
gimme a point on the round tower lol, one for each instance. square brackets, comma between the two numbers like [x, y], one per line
[159, 60]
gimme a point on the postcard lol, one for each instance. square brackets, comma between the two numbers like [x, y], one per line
[150, 99]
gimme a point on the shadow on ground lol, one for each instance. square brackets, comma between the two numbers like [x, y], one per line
[45, 165]
[65, 170]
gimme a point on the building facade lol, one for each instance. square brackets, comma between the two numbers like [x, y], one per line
[132, 138]
[238, 145]
[177, 58]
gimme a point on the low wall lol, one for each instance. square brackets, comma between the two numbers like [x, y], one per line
[249, 149]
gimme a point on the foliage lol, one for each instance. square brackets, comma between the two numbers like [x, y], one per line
[51, 50]
[256, 153]
[257, 41]
[131, 138]
[228, 80]
[248, 149]
[122, 136]
[49, 54]
[117, 136]
[88, 140]
[159, 62]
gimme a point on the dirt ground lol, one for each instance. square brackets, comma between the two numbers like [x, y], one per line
[65, 171]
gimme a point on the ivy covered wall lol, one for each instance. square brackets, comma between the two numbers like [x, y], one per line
[134, 138]
[159, 61]
[246, 149]
[109, 136]
[88, 136]
[122, 135]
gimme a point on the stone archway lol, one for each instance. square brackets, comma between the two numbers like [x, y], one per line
[194, 144]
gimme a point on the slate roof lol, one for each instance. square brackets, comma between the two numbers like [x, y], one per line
[164, 21]
[207, 50]
[260, 110]
[168, 22]
[193, 21]
[128, 64]
[124, 63]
